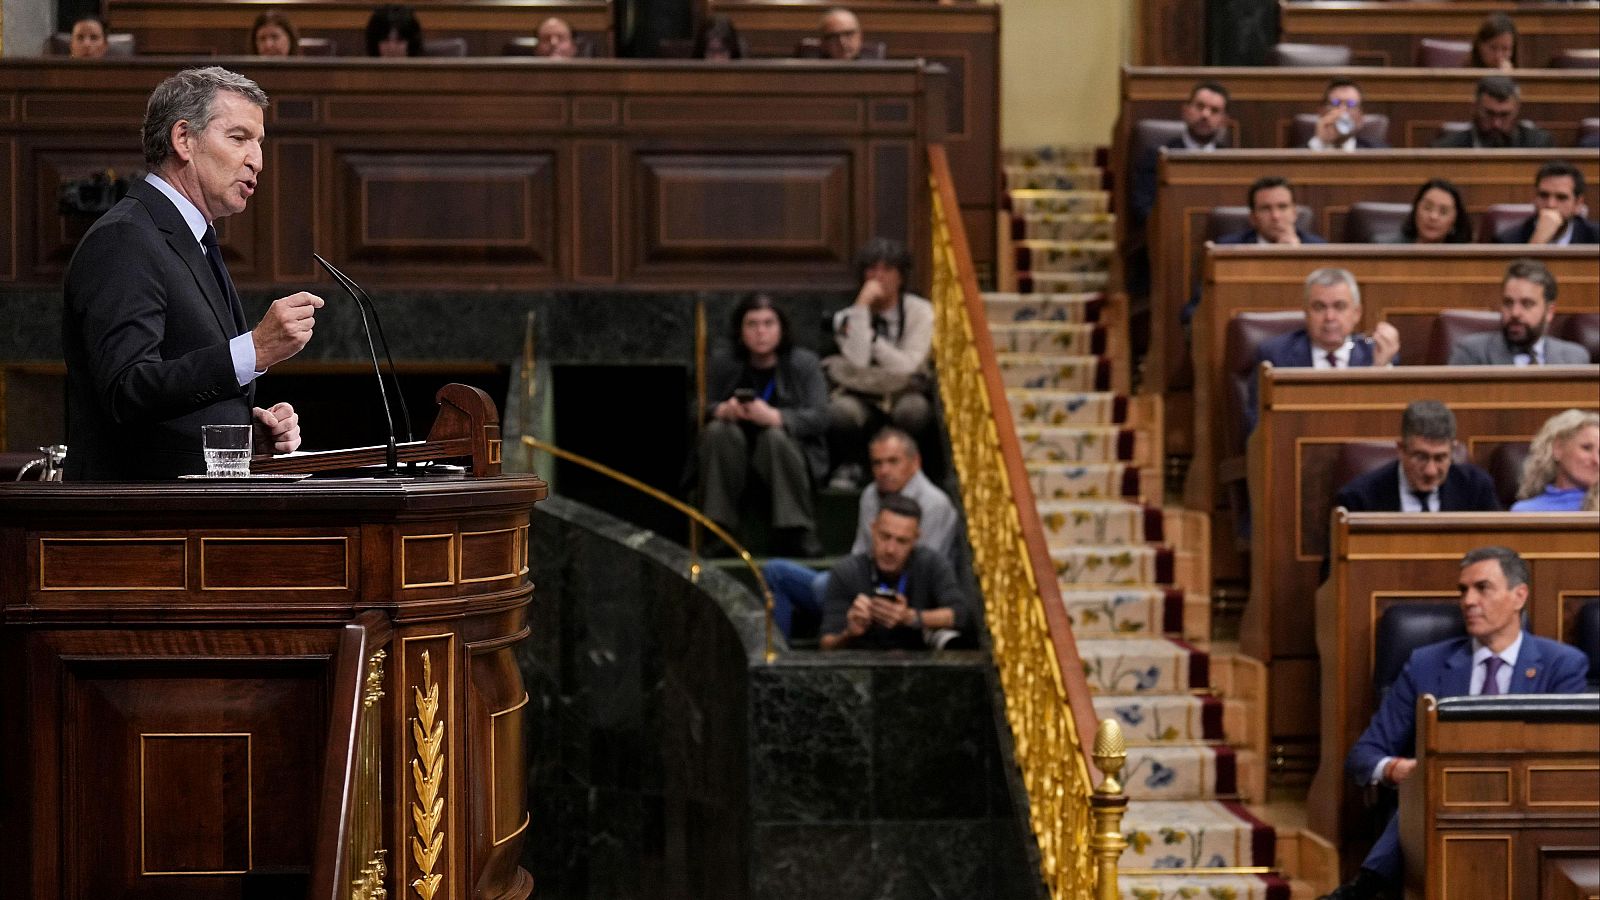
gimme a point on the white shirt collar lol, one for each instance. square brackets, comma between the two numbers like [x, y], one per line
[1564, 237]
[1533, 357]
[191, 213]
[1508, 655]
[1319, 356]
[1409, 502]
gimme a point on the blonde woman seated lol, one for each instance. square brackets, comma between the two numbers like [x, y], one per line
[1563, 465]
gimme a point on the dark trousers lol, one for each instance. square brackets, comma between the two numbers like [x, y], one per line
[730, 451]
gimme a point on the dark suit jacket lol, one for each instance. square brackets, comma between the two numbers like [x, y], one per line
[1294, 350]
[1466, 488]
[1142, 197]
[1583, 232]
[1528, 136]
[800, 392]
[145, 331]
[1247, 236]
[1445, 670]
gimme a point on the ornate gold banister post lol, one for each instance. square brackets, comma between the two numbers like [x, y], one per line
[1108, 803]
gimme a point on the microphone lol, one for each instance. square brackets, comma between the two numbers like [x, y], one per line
[392, 456]
[361, 295]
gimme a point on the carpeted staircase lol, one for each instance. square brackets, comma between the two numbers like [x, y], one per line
[1133, 572]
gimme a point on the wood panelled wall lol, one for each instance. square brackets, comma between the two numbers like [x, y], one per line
[217, 27]
[964, 39]
[514, 173]
[1382, 33]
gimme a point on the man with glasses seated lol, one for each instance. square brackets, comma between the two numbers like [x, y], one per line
[1422, 478]
[841, 34]
[1340, 119]
[1329, 339]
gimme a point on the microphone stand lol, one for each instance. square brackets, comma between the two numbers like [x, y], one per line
[392, 455]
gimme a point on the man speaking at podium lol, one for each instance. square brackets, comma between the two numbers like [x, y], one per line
[153, 333]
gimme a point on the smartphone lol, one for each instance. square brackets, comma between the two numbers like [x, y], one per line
[884, 591]
[744, 395]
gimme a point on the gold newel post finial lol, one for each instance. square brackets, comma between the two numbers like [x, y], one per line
[1108, 803]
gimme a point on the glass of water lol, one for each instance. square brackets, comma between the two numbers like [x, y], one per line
[227, 450]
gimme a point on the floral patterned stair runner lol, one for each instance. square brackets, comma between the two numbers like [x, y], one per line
[1084, 453]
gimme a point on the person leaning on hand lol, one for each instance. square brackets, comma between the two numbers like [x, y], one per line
[154, 336]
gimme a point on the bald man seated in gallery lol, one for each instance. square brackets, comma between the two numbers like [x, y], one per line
[1495, 657]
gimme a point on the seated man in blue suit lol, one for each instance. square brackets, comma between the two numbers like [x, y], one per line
[1496, 657]
[1329, 340]
[1422, 479]
[1559, 213]
[1272, 215]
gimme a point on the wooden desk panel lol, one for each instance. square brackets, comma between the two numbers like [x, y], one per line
[1382, 559]
[1306, 415]
[963, 38]
[1386, 34]
[515, 173]
[1263, 102]
[1190, 183]
[220, 28]
[1399, 283]
[1506, 802]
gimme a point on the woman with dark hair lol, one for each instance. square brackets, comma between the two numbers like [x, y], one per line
[770, 421]
[718, 40]
[1495, 45]
[1437, 216]
[880, 374]
[88, 40]
[274, 35]
[393, 31]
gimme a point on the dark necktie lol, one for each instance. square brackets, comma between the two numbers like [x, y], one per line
[1422, 497]
[1333, 360]
[1491, 668]
[219, 270]
[880, 326]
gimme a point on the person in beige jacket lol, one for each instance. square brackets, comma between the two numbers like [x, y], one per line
[881, 374]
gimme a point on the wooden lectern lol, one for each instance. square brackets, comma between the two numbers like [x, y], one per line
[213, 689]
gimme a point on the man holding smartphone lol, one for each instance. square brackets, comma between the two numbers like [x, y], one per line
[895, 595]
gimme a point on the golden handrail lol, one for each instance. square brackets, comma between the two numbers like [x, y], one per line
[695, 515]
[1046, 695]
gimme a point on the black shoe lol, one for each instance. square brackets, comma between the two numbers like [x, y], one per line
[1367, 885]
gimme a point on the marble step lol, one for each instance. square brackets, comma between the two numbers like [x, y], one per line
[1112, 565]
[1196, 885]
[1051, 372]
[1094, 444]
[1194, 834]
[1053, 178]
[1138, 612]
[1069, 481]
[1054, 338]
[1033, 406]
[1166, 718]
[1063, 256]
[1050, 155]
[1039, 202]
[1058, 282]
[1181, 772]
[1078, 226]
[1143, 666]
[1073, 523]
[1001, 308]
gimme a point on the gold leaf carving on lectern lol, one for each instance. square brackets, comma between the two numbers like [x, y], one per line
[427, 778]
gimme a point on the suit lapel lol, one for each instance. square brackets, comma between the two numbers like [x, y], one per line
[182, 242]
[1530, 665]
[1456, 679]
